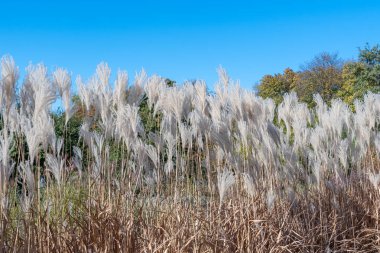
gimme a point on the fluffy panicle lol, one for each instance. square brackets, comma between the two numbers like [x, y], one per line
[120, 90]
[185, 133]
[77, 159]
[224, 79]
[97, 146]
[226, 179]
[249, 185]
[153, 154]
[85, 94]
[28, 185]
[9, 77]
[44, 94]
[128, 124]
[136, 92]
[33, 139]
[103, 73]
[154, 87]
[170, 145]
[374, 178]
[62, 80]
[271, 198]
[244, 133]
[200, 99]
[377, 144]
[56, 166]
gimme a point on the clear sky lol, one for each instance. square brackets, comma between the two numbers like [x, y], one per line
[185, 40]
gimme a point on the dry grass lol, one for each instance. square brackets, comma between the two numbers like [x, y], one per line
[340, 217]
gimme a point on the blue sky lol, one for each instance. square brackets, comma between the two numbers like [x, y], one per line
[185, 40]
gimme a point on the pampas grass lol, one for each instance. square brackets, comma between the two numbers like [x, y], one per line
[223, 172]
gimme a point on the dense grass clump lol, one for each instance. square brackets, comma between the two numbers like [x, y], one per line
[153, 167]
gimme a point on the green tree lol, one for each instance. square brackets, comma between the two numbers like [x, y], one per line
[370, 56]
[275, 86]
[323, 75]
[362, 76]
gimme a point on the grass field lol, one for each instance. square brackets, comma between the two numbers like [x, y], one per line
[179, 169]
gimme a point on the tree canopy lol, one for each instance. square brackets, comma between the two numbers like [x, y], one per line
[328, 75]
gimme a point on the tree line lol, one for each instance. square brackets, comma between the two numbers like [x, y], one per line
[328, 75]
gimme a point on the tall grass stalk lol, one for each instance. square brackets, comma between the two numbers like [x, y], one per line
[218, 173]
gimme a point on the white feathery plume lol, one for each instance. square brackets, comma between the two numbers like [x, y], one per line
[140, 154]
[321, 106]
[221, 97]
[342, 153]
[215, 111]
[374, 178]
[316, 167]
[223, 76]
[6, 168]
[153, 154]
[120, 90]
[133, 117]
[85, 93]
[185, 133]
[140, 78]
[44, 125]
[271, 197]
[371, 109]
[103, 73]
[104, 107]
[29, 177]
[377, 144]
[249, 185]
[136, 92]
[243, 131]
[28, 185]
[170, 145]
[269, 109]
[285, 109]
[98, 140]
[85, 133]
[33, 138]
[39, 130]
[168, 167]
[56, 166]
[14, 120]
[154, 87]
[219, 155]
[44, 94]
[5, 147]
[27, 100]
[200, 123]
[56, 145]
[175, 102]
[301, 133]
[274, 133]
[235, 101]
[200, 99]
[97, 144]
[128, 124]
[225, 179]
[62, 80]
[168, 124]
[77, 160]
[9, 76]
[222, 136]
